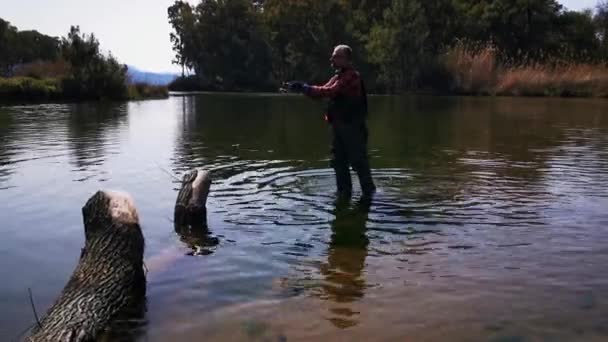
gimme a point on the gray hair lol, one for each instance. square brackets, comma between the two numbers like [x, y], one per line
[345, 49]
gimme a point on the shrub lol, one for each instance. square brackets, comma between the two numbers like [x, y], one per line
[144, 90]
[479, 70]
[29, 89]
[44, 69]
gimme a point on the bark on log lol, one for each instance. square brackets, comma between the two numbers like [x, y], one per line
[191, 203]
[108, 285]
[190, 215]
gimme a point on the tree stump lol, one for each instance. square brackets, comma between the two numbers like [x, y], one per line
[190, 215]
[108, 285]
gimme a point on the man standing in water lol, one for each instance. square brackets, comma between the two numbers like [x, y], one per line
[347, 114]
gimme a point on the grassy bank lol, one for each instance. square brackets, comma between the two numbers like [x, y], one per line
[79, 71]
[29, 89]
[479, 70]
[138, 91]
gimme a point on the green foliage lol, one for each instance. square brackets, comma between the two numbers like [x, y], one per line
[92, 75]
[19, 47]
[181, 18]
[296, 26]
[601, 26]
[398, 44]
[29, 89]
[146, 91]
[187, 83]
[224, 41]
[73, 69]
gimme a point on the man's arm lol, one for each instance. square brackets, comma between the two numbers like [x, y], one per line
[334, 87]
[307, 90]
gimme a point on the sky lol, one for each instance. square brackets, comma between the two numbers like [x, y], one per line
[135, 31]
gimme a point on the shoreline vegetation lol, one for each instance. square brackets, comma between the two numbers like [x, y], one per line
[445, 47]
[473, 70]
[40, 90]
[480, 70]
[37, 68]
[448, 47]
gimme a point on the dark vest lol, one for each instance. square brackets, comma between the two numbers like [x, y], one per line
[347, 109]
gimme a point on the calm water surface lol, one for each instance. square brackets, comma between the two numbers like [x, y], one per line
[491, 221]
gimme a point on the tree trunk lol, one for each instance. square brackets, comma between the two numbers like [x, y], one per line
[190, 215]
[107, 288]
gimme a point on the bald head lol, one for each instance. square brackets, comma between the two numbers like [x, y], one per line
[344, 50]
[341, 57]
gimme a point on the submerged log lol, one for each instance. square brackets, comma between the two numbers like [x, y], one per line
[191, 203]
[190, 215]
[108, 284]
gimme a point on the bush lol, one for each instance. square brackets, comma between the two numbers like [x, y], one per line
[144, 90]
[43, 69]
[29, 89]
[478, 69]
[567, 80]
[472, 67]
[187, 83]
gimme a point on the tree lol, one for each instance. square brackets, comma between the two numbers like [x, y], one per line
[92, 75]
[398, 44]
[300, 37]
[182, 20]
[601, 25]
[20, 47]
[34, 46]
[514, 26]
[7, 52]
[224, 41]
[576, 35]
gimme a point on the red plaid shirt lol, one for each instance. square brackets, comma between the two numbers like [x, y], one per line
[346, 82]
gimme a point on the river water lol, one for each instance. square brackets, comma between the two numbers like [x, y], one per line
[490, 223]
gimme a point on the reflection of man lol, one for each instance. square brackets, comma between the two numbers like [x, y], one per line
[347, 112]
[346, 258]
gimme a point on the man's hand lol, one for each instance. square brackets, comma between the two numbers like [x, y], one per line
[297, 86]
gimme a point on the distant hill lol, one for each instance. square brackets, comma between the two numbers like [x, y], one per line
[137, 75]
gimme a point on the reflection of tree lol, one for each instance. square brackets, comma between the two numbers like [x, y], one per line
[452, 146]
[88, 126]
[343, 272]
[7, 146]
[250, 127]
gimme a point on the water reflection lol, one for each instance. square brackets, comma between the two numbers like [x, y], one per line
[475, 194]
[7, 150]
[344, 280]
[226, 135]
[197, 237]
[90, 127]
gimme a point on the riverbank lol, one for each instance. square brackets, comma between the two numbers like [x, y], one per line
[476, 76]
[482, 70]
[34, 90]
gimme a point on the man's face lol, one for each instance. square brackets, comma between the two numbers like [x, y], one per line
[338, 59]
